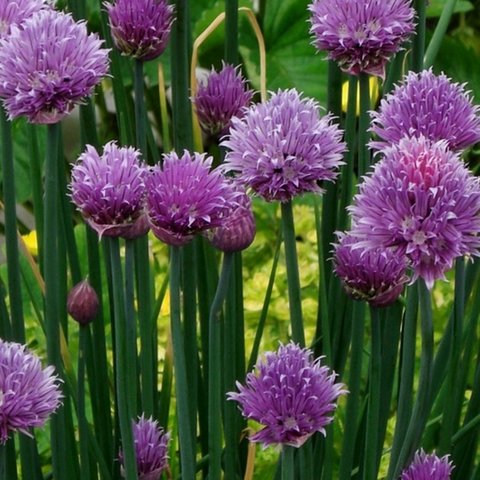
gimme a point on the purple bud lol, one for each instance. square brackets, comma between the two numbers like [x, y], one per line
[82, 303]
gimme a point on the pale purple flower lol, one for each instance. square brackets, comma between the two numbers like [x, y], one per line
[291, 394]
[28, 393]
[428, 467]
[361, 35]
[424, 203]
[429, 105]
[140, 28]
[225, 95]
[376, 275]
[282, 148]
[186, 197]
[48, 66]
[151, 448]
[109, 190]
[15, 12]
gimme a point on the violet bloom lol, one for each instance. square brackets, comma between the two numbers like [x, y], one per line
[184, 197]
[28, 393]
[428, 467]
[376, 275]
[423, 202]
[140, 28]
[361, 35]
[429, 105]
[15, 12]
[291, 394]
[282, 148]
[48, 66]
[83, 303]
[109, 190]
[224, 96]
[151, 449]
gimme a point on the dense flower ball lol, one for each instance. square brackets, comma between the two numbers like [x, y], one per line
[140, 28]
[48, 66]
[428, 467]
[422, 201]
[429, 105]
[291, 394]
[83, 303]
[376, 275]
[184, 197]
[361, 35]
[28, 394]
[239, 230]
[151, 448]
[282, 148]
[223, 96]
[15, 12]
[109, 190]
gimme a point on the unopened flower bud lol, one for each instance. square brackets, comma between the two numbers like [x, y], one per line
[82, 303]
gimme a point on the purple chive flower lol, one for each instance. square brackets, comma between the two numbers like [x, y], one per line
[282, 148]
[185, 198]
[429, 105]
[428, 467]
[361, 35]
[83, 303]
[48, 66]
[291, 394]
[224, 96]
[239, 230]
[140, 28]
[423, 202]
[109, 190]
[376, 275]
[14, 13]
[28, 394]
[151, 449]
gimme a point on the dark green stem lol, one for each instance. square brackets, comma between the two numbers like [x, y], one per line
[288, 464]
[231, 31]
[140, 111]
[293, 278]
[81, 412]
[418, 42]
[363, 126]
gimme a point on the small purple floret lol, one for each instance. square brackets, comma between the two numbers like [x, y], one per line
[140, 28]
[429, 105]
[361, 35]
[291, 394]
[282, 148]
[185, 197]
[428, 467]
[423, 202]
[28, 393]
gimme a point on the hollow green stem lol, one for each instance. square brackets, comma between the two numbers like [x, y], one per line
[418, 42]
[288, 465]
[81, 412]
[140, 111]
[363, 125]
[231, 31]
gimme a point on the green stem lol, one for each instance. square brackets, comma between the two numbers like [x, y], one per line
[81, 412]
[231, 31]
[418, 42]
[363, 126]
[215, 370]
[187, 450]
[293, 278]
[288, 464]
[140, 111]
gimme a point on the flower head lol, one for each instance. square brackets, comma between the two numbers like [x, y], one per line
[423, 202]
[28, 394]
[428, 467]
[429, 105]
[109, 190]
[14, 13]
[185, 198]
[376, 275]
[140, 28]
[48, 66]
[83, 303]
[224, 96]
[151, 448]
[282, 148]
[291, 394]
[361, 35]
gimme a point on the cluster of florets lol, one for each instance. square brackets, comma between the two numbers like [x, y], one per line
[14, 13]
[428, 467]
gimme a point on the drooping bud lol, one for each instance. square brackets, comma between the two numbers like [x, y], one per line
[82, 303]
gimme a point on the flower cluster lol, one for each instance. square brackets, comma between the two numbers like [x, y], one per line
[428, 467]
[282, 148]
[291, 394]
[28, 393]
[429, 105]
[48, 66]
[140, 28]
[224, 96]
[361, 35]
[14, 13]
